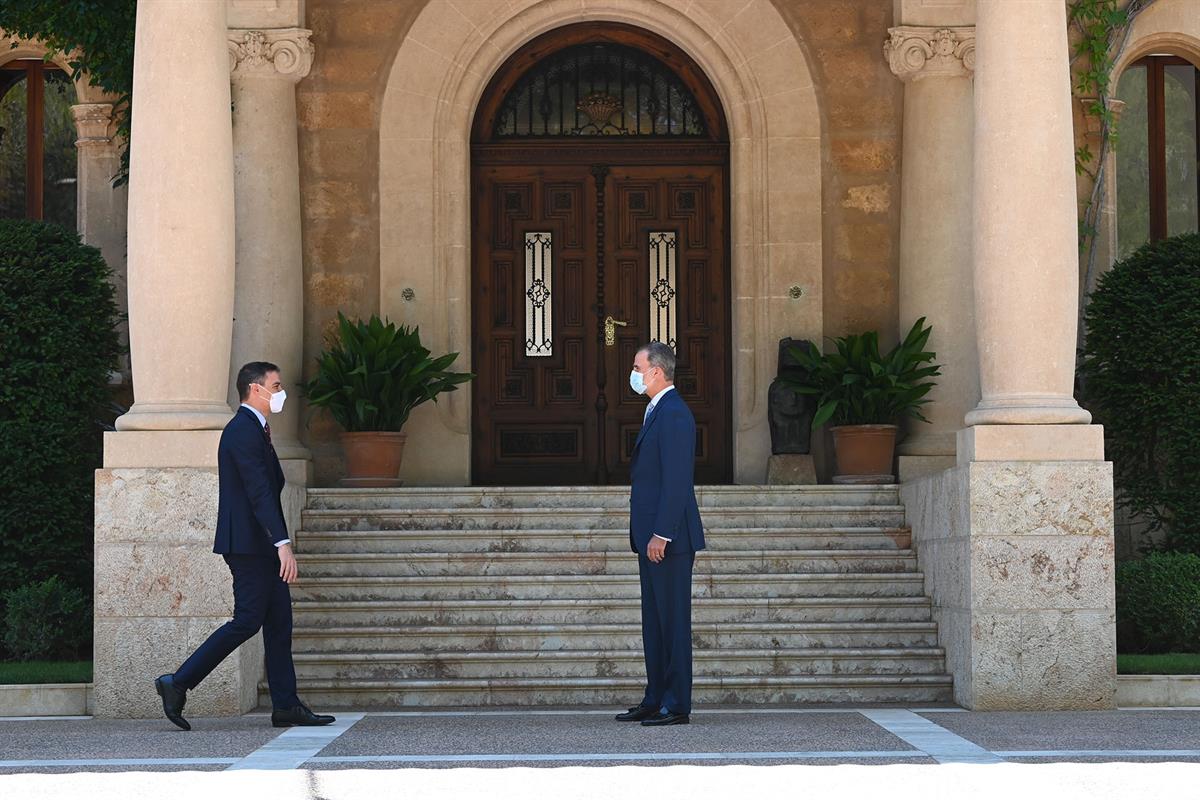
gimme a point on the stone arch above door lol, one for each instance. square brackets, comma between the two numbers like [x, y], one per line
[765, 86]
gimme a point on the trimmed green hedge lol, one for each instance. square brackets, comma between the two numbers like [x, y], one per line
[58, 344]
[47, 620]
[1158, 604]
[1140, 376]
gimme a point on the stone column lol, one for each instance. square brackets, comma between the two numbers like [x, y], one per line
[1024, 219]
[100, 205]
[1016, 541]
[181, 219]
[269, 305]
[160, 590]
[935, 228]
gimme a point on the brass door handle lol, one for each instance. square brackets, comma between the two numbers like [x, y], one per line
[610, 330]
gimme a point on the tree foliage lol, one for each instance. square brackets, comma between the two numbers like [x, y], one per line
[58, 344]
[96, 36]
[1140, 376]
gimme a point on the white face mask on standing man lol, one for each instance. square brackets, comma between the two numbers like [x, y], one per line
[277, 399]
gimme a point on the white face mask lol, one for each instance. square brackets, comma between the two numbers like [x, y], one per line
[637, 382]
[277, 400]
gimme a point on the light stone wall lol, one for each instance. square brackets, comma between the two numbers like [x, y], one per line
[1018, 559]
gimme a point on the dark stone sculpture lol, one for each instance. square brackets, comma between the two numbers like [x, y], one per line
[790, 414]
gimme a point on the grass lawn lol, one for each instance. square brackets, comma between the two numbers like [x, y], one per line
[45, 672]
[1165, 664]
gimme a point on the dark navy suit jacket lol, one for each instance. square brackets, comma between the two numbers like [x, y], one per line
[662, 499]
[249, 511]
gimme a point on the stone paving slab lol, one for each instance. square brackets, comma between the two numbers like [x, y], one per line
[593, 733]
[43, 739]
[1091, 730]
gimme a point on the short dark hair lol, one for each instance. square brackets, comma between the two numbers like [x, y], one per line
[661, 356]
[254, 372]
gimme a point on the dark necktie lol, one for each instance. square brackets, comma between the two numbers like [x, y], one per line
[267, 431]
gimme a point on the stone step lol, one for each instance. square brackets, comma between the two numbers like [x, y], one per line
[611, 562]
[446, 639]
[530, 587]
[387, 666]
[594, 518]
[618, 693]
[557, 611]
[568, 540]
[591, 496]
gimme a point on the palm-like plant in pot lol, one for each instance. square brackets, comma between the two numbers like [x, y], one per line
[370, 379]
[865, 395]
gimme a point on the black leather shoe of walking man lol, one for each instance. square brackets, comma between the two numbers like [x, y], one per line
[298, 715]
[173, 698]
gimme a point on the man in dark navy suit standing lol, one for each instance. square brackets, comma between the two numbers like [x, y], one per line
[666, 533]
[253, 538]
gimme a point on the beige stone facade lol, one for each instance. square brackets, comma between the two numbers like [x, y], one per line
[890, 160]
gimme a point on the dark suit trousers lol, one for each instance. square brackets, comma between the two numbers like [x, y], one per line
[667, 631]
[260, 600]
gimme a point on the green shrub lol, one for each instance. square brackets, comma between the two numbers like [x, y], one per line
[1158, 604]
[1140, 376]
[58, 343]
[47, 620]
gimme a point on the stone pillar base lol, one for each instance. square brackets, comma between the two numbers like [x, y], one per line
[791, 469]
[1018, 559]
[160, 591]
[909, 468]
[1031, 443]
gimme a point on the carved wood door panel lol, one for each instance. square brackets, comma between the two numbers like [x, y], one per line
[668, 278]
[534, 335]
[555, 250]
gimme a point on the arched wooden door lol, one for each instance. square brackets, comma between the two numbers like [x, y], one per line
[599, 192]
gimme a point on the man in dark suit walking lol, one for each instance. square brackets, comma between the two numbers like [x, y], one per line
[253, 538]
[666, 533]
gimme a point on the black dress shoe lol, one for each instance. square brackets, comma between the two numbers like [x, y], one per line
[298, 715]
[173, 698]
[637, 714]
[670, 718]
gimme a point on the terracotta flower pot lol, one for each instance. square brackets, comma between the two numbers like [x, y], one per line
[372, 458]
[864, 453]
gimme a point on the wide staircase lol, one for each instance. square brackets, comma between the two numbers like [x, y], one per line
[529, 596]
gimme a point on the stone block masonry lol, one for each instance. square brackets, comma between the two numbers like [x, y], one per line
[1018, 559]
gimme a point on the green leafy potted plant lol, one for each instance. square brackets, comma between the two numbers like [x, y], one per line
[865, 394]
[370, 379]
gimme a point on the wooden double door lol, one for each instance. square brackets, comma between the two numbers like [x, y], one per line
[557, 251]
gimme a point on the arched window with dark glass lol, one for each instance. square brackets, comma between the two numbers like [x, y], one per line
[38, 159]
[1157, 150]
[599, 89]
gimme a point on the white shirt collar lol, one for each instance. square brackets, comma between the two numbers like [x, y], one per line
[261, 419]
[654, 400]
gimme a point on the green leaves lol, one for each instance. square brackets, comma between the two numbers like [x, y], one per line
[855, 385]
[58, 343]
[376, 374]
[99, 36]
[1140, 377]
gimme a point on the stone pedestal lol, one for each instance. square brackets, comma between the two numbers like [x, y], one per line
[160, 591]
[1018, 558]
[791, 469]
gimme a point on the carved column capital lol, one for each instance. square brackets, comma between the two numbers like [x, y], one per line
[270, 53]
[94, 124]
[914, 53]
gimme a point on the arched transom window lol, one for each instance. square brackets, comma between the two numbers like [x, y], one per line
[599, 89]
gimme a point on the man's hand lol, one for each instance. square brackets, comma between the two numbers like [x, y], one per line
[656, 549]
[287, 563]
